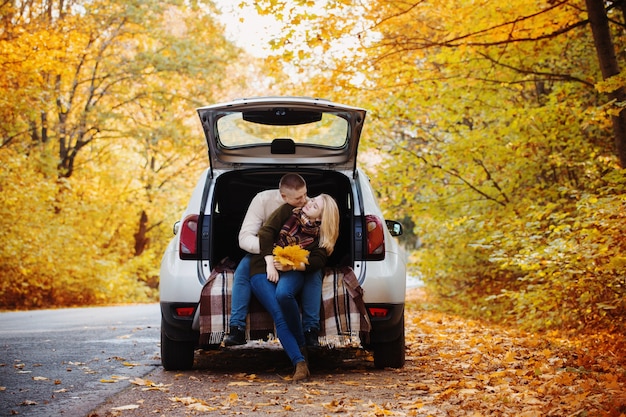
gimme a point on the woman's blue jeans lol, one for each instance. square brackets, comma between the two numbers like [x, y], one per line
[280, 301]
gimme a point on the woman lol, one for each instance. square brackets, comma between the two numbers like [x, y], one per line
[314, 227]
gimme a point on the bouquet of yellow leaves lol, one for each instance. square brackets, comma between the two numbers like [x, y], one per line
[292, 255]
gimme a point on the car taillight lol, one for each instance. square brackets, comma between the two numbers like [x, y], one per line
[375, 238]
[189, 237]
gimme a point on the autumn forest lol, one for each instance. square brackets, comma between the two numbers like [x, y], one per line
[495, 133]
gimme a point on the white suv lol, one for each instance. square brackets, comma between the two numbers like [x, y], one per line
[251, 144]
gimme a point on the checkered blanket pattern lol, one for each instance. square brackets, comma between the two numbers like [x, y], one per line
[344, 320]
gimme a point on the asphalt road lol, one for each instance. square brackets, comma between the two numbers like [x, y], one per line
[66, 362]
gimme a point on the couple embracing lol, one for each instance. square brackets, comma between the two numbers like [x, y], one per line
[285, 219]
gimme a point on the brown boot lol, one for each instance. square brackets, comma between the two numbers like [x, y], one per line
[302, 372]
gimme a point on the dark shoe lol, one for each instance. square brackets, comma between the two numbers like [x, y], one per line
[311, 338]
[236, 336]
[301, 373]
[305, 353]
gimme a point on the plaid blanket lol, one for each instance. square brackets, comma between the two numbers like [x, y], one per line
[344, 320]
[343, 317]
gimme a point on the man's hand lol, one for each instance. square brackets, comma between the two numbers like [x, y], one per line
[272, 272]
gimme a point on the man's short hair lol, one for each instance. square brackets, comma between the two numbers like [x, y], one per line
[291, 181]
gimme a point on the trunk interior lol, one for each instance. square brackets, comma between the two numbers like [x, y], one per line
[234, 191]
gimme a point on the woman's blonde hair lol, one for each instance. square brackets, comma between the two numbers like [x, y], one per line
[329, 228]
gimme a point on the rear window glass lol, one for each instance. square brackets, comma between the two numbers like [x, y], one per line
[263, 126]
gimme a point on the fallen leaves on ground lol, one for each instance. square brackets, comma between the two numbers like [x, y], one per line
[492, 370]
[113, 379]
[148, 385]
[455, 367]
[126, 407]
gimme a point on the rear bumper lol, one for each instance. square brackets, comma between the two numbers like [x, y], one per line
[384, 329]
[175, 327]
[388, 328]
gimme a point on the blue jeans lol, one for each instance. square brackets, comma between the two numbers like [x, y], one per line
[280, 301]
[240, 298]
[311, 300]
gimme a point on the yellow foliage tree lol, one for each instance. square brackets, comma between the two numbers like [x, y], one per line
[482, 115]
[99, 143]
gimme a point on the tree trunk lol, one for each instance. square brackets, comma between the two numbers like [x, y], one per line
[608, 64]
[141, 240]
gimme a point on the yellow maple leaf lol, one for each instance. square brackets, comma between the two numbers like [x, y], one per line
[291, 255]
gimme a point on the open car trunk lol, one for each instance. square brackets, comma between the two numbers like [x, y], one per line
[235, 190]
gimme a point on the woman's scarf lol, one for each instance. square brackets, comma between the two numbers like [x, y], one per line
[298, 230]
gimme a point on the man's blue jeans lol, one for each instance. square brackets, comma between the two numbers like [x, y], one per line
[280, 301]
[240, 297]
[311, 298]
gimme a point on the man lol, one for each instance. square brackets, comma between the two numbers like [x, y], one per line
[291, 190]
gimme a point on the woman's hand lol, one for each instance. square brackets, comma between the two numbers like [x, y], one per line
[282, 268]
[286, 268]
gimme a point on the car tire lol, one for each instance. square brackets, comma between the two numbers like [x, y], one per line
[390, 354]
[176, 355]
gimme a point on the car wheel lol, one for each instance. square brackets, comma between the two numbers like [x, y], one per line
[390, 354]
[175, 355]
